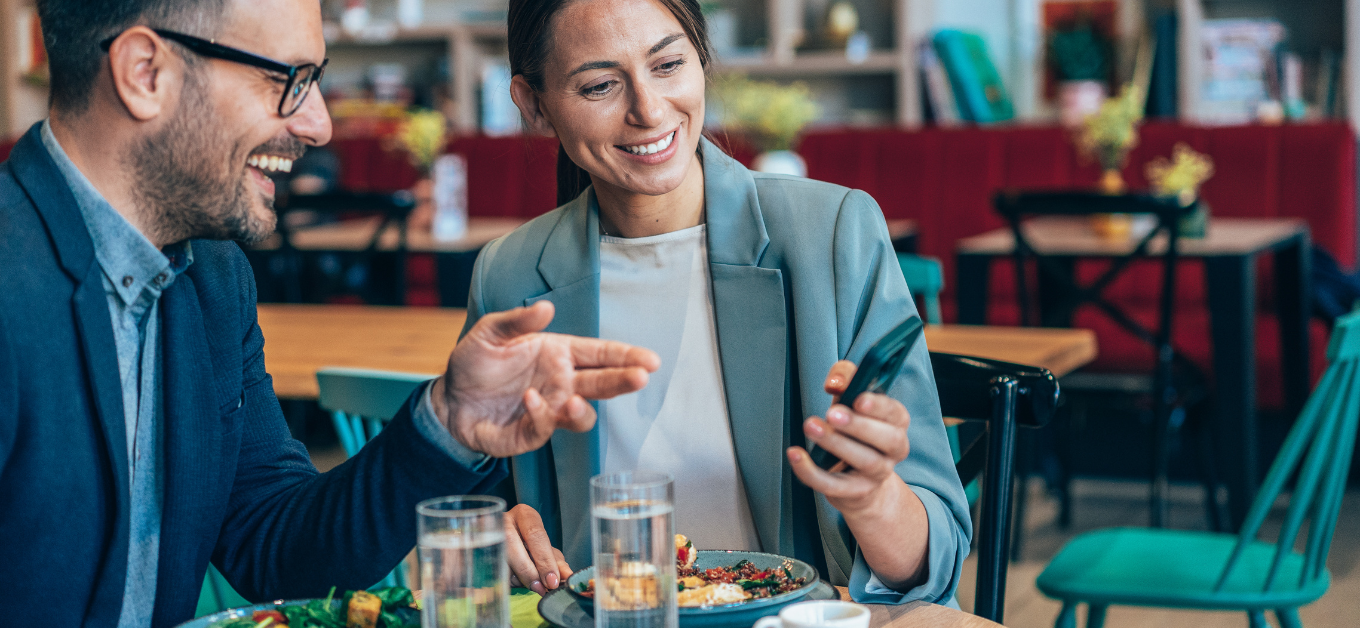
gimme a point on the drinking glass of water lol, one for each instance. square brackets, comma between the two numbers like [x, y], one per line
[632, 535]
[462, 563]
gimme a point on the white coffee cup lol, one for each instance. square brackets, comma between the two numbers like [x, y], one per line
[819, 614]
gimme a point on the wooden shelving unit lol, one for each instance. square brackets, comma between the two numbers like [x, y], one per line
[773, 30]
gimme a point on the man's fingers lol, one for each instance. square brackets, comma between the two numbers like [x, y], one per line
[562, 567]
[499, 327]
[593, 352]
[839, 377]
[517, 557]
[540, 548]
[605, 383]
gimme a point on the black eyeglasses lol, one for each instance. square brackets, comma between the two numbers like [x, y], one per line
[300, 77]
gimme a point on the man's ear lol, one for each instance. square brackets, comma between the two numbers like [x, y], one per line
[145, 72]
[530, 107]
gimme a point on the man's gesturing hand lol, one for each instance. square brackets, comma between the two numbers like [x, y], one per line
[509, 386]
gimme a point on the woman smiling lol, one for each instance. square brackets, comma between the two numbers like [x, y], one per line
[757, 291]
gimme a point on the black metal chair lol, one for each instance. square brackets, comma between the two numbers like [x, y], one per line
[1061, 293]
[999, 396]
[393, 207]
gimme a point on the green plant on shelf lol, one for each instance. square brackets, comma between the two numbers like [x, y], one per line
[771, 114]
[1079, 53]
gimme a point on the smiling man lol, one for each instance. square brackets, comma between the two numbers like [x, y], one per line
[140, 438]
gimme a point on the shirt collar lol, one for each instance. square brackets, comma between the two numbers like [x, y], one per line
[129, 260]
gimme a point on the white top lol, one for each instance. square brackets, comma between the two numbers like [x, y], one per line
[655, 292]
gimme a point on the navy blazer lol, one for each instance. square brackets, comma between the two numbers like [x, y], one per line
[238, 490]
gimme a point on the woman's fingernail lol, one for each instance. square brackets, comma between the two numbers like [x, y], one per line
[532, 401]
[795, 456]
[815, 429]
[552, 581]
[837, 416]
[835, 381]
[537, 587]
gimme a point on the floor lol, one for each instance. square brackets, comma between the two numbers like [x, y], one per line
[1105, 503]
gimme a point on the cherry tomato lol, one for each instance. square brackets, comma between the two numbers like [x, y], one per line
[279, 619]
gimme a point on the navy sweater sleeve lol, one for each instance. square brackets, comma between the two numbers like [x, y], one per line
[291, 532]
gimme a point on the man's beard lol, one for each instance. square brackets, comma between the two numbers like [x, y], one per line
[183, 184]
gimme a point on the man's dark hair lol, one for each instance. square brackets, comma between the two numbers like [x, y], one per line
[72, 30]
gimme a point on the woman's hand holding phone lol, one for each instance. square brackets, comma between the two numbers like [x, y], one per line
[870, 439]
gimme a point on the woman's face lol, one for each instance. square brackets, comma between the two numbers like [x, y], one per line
[624, 92]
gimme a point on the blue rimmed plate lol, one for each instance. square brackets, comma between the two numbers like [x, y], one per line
[569, 609]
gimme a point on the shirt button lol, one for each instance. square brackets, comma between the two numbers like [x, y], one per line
[127, 281]
[160, 278]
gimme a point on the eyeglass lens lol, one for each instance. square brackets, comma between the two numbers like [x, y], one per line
[298, 89]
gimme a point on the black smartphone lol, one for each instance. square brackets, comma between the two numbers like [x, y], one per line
[875, 374]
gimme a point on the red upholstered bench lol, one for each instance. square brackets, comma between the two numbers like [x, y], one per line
[945, 180]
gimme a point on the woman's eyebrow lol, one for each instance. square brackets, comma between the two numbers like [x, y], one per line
[600, 65]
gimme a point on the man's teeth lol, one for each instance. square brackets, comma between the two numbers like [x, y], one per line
[654, 147]
[271, 163]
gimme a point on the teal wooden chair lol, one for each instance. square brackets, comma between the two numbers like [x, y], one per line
[925, 279]
[361, 402]
[1210, 571]
[216, 595]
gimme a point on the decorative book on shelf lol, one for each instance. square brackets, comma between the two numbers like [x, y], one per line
[977, 87]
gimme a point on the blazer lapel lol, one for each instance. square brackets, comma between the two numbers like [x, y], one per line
[575, 282]
[50, 194]
[189, 422]
[751, 318]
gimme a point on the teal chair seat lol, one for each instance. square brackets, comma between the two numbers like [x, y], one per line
[1201, 570]
[1174, 568]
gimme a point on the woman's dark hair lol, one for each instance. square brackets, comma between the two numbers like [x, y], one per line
[530, 42]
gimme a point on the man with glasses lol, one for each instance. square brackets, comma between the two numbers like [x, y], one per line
[139, 433]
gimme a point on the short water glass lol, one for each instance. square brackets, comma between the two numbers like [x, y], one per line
[632, 536]
[463, 572]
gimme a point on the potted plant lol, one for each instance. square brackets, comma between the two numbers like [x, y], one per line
[772, 115]
[1080, 59]
[1181, 177]
[1107, 136]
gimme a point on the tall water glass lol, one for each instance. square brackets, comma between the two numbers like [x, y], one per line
[632, 535]
[462, 563]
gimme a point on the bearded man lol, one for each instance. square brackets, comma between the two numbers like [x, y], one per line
[140, 438]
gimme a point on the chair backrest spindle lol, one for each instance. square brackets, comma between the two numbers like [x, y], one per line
[1319, 449]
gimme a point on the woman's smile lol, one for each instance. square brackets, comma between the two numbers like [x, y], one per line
[652, 151]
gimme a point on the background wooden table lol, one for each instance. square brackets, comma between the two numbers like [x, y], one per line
[301, 339]
[1229, 252]
[1058, 350]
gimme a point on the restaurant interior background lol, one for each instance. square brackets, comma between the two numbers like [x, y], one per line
[933, 107]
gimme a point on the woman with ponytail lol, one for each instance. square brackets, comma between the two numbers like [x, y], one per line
[759, 292]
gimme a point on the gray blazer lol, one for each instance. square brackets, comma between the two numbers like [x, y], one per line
[803, 275]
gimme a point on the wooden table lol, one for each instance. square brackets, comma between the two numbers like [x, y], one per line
[454, 259]
[355, 235]
[1061, 351]
[1229, 252]
[299, 340]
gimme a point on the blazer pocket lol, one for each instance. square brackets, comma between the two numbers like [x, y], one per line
[233, 414]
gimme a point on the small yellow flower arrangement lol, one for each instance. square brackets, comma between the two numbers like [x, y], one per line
[772, 114]
[1181, 177]
[423, 135]
[1111, 133]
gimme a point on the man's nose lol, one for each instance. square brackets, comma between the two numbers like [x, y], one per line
[311, 123]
